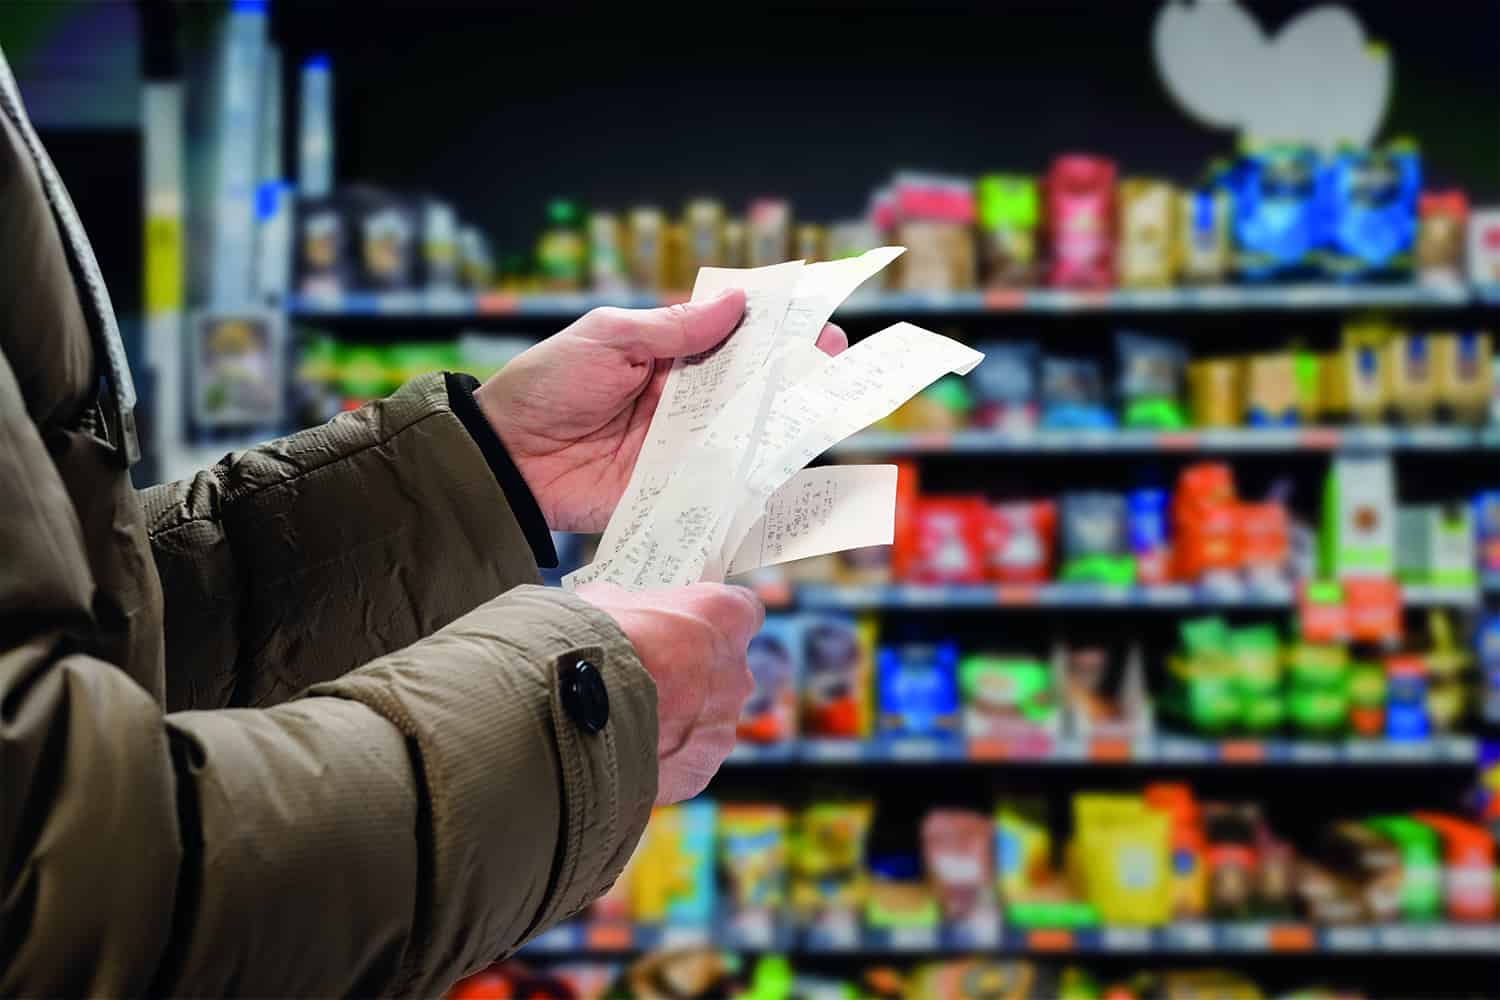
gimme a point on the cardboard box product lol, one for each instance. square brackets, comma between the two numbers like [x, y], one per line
[1464, 371]
[1359, 518]
[1271, 389]
[1364, 369]
[1413, 376]
[1214, 393]
[1435, 544]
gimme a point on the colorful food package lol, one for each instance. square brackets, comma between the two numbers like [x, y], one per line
[1122, 853]
[946, 405]
[837, 662]
[1023, 849]
[949, 540]
[1147, 254]
[646, 249]
[562, 251]
[1150, 383]
[1413, 376]
[828, 862]
[1073, 395]
[1441, 219]
[704, 219]
[896, 896]
[1229, 833]
[1216, 396]
[1420, 896]
[1262, 541]
[1020, 540]
[1009, 213]
[698, 973]
[1469, 888]
[1095, 539]
[1359, 518]
[673, 876]
[811, 243]
[1205, 523]
[1203, 219]
[1271, 390]
[1364, 371]
[1149, 544]
[1189, 869]
[769, 222]
[753, 859]
[1484, 246]
[1080, 213]
[917, 685]
[1276, 225]
[1370, 211]
[1370, 861]
[1007, 699]
[607, 259]
[1406, 681]
[775, 657]
[933, 216]
[1008, 387]
[324, 248]
[1487, 529]
[1435, 544]
[476, 263]
[1465, 371]
[737, 243]
[960, 864]
[904, 536]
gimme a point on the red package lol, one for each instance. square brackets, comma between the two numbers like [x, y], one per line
[904, 532]
[1019, 541]
[1205, 521]
[1264, 537]
[950, 540]
[1080, 212]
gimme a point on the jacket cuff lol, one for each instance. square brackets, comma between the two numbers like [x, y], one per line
[529, 817]
[522, 503]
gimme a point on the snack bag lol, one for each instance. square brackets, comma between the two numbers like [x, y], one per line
[1007, 699]
[1441, 218]
[960, 864]
[1370, 211]
[1095, 547]
[1009, 211]
[1019, 542]
[918, 689]
[1080, 214]
[1073, 395]
[673, 880]
[753, 859]
[1150, 381]
[828, 855]
[950, 540]
[775, 657]
[1203, 217]
[837, 660]
[1147, 252]
[1276, 219]
[1023, 849]
[1007, 384]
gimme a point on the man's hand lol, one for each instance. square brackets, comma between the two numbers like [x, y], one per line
[692, 641]
[573, 410]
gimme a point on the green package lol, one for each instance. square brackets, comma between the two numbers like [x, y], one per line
[1421, 865]
[1255, 651]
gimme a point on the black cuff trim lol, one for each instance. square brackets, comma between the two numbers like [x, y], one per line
[522, 504]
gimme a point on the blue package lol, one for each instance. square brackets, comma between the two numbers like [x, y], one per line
[1487, 530]
[1073, 395]
[1275, 220]
[1488, 640]
[1147, 511]
[1368, 206]
[696, 900]
[917, 689]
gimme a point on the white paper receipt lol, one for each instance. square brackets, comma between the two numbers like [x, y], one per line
[720, 486]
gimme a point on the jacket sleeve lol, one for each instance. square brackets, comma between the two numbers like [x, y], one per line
[296, 561]
[386, 831]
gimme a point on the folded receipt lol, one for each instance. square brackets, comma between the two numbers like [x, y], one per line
[721, 485]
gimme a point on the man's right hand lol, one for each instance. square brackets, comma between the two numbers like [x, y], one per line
[692, 641]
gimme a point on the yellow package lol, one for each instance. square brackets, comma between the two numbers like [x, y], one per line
[1124, 857]
[1364, 369]
[1214, 388]
[1023, 849]
[827, 853]
[1413, 376]
[1465, 374]
[1147, 257]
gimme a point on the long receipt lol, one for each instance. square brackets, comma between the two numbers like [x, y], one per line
[720, 486]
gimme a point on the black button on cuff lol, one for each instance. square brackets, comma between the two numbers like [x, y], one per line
[584, 695]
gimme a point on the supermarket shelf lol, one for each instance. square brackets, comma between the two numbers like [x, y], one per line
[1231, 938]
[1033, 300]
[1081, 595]
[1216, 440]
[1173, 750]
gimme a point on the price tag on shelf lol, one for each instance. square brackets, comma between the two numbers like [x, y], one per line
[833, 751]
[1397, 937]
[607, 937]
[1242, 751]
[1125, 939]
[562, 938]
[981, 933]
[1290, 937]
[1049, 939]
[1180, 751]
[834, 935]
[1311, 752]
[1247, 937]
[676, 936]
[913, 938]
[1347, 939]
[1189, 936]
[752, 931]
[915, 750]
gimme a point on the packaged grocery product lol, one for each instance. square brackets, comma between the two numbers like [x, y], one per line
[769, 227]
[959, 861]
[1406, 697]
[905, 554]
[1150, 383]
[1101, 694]
[1413, 377]
[1203, 218]
[1229, 832]
[837, 660]
[322, 249]
[1263, 541]
[1073, 395]
[704, 219]
[646, 249]
[1487, 529]
[1149, 545]
[1009, 209]
[949, 538]
[476, 265]
[850, 239]
[1147, 252]
[1420, 896]
[811, 243]
[1367, 695]
[753, 859]
[1123, 853]
[1271, 390]
[1435, 544]
[1465, 372]
[562, 252]
[1469, 885]
[1364, 370]
[672, 879]
[607, 272]
[1007, 699]
[1308, 369]
[1216, 393]
[1008, 387]
[737, 243]
[437, 255]
[1359, 518]
[1095, 540]
[1275, 878]
[1488, 642]
[1189, 878]
[828, 855]
[237, 367]
[934, 219]
[1080, 213]
[1369, 860]
[984, 979]
[1205, 523]
[1484, 246]
[1023, 849]
[676, 275]
[1370, 211]
[917, 689]
[1204, 689]
[1020, 540]
[1275, 221]
[697, 973]
[775, 658]
[945, 405]
[1441, 219]
[897, 897]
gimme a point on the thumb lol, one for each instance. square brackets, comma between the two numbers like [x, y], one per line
[686, 328]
